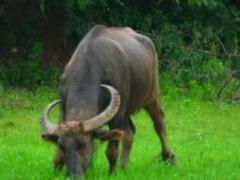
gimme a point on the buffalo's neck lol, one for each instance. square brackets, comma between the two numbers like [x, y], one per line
[82, 93]
[82, 104]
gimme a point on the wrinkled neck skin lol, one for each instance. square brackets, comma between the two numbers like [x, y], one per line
[80, 90]
[82, 103]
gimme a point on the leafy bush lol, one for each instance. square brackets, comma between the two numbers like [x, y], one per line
[197, 40]
[29, 73]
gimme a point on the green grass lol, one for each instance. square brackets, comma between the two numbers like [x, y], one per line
[204, 136]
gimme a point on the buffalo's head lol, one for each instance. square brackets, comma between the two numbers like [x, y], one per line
[75, 138]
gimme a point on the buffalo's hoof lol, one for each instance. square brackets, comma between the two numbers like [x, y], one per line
[169, 158]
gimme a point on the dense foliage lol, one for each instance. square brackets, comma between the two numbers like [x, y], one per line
[197, 40]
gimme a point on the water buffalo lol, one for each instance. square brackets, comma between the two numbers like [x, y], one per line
[112, 74]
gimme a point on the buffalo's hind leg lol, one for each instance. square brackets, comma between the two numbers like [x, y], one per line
[157, 115]
[127, 142]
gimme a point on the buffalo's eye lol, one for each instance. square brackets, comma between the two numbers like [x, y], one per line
[61, 146]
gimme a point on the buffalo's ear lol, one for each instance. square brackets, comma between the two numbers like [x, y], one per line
[115, 134]
[50, 137]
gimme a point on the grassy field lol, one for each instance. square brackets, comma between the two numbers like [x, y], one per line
[204, 136]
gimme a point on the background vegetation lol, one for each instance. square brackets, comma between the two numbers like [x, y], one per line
[197, 40]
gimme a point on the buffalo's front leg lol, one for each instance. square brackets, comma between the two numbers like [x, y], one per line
[112, 155]
[59, 159]
[127, 143]
[157, 116]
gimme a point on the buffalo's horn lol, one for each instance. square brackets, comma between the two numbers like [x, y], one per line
[107, 114]
[47, 126]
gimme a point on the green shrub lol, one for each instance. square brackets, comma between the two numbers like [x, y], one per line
[29, 73]
[197, 40]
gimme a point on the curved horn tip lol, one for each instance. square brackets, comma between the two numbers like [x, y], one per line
[46, 125]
